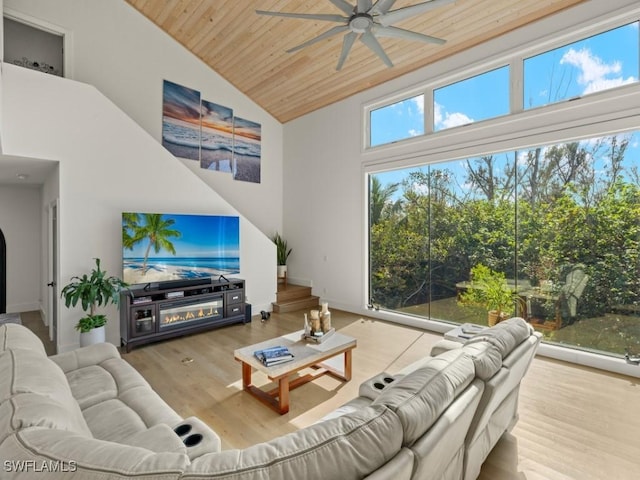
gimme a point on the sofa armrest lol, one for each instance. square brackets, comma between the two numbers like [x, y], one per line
[197, 437]
[444, 346]
[85, 356]
[89, 457]
[352, 406]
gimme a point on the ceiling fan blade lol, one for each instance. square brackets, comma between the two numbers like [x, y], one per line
[347, 43]
[346, 7]
[363, 6]
[370, 41]
[328, 33]
[406, 12]
[395, 32]
[381, 7]
[306, 16]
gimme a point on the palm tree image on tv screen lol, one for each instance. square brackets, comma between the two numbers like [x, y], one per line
[159, 247]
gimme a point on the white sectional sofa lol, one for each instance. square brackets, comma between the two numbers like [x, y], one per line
[88, 414]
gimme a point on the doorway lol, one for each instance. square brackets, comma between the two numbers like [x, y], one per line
[3, 273]
[52, 271]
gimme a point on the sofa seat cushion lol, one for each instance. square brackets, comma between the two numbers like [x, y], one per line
[348, 447]
[117, 401]
[420, 397]
[35, 392]
[14, 336]
[92, 385]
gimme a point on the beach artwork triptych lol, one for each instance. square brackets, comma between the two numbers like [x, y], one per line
[201, 130]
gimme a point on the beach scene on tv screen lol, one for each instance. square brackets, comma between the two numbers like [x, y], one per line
[159, 247]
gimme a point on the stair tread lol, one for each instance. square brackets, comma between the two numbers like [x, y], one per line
[296, 304]
[287, 293]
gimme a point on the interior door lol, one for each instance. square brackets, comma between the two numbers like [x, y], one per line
[3, 274]
[53, 273]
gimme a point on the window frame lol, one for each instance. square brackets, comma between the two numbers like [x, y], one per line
[613, 110]
[513, 58]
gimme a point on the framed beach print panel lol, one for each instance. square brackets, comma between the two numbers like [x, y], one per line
[181, 120]
[216, 146]
[247, 138]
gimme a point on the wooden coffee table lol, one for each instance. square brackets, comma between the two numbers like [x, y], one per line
[306, 355]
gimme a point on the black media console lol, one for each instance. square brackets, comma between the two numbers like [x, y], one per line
[178, 308]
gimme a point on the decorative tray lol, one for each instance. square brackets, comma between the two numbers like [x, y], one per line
[314, 339]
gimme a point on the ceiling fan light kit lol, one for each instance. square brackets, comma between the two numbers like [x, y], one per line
[367, 20]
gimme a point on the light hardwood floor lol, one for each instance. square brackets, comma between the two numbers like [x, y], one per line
[575, 422]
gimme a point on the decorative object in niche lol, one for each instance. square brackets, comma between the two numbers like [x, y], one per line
[39, 66]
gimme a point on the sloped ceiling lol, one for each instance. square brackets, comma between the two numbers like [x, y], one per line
[249, 50]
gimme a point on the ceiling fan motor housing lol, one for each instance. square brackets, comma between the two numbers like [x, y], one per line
[360, 22]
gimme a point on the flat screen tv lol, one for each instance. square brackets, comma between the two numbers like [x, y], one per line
[162, 247]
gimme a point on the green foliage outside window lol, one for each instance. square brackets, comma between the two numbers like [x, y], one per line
[529, 219]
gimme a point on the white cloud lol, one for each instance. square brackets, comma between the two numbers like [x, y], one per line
[414, 133]
[594, 71]
[420, 188]
[605, 84]
[437, 114]
[455, 119]
[419, 101]
[443, 119]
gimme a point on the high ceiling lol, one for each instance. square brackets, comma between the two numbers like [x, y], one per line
[249, 50]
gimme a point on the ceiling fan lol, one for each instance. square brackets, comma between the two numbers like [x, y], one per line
[368, 20]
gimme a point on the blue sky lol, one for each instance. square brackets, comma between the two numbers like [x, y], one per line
[597, 63]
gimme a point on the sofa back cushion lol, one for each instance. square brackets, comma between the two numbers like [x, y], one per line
[13, 336]
[420, 397]
[348, 447]
[505, 336]
[35, 392]
[487, 358]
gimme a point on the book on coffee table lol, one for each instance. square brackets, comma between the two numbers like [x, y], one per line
[273, 355]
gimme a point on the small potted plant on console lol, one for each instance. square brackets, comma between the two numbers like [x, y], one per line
[92, 291]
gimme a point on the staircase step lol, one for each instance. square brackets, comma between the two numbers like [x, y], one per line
[308, 302]
[288, 293]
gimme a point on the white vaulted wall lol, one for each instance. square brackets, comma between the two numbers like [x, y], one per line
[104, 130]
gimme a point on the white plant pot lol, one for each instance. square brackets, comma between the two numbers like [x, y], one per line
[95, 335]
[282, 271]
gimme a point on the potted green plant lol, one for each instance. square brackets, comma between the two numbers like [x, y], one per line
[282, 254]
[92, 291]
[489, 289]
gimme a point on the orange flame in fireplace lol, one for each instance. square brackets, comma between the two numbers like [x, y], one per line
[189, 315]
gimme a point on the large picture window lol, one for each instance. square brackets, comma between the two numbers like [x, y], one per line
[559, 225]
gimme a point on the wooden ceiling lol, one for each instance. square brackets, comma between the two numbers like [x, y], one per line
[249, 50]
